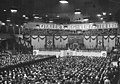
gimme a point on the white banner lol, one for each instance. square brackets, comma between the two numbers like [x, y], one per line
[85, 26]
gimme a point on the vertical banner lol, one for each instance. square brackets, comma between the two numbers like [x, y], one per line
[34, 42]
[93, 42]
[106, 42]
[49, 42]
[64, 41]
[111, 42]
[41, 42]
[86, 41]
[57, 41]
[100, 42]
[71, 39]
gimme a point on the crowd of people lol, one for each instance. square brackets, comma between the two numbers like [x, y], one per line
[63, 70]
[8, 59]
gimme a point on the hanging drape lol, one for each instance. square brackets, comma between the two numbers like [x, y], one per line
[57, 41]
[28, 37]
[93, 37]
[90, 41]
[111, 42]
[112, 37]
[41, 42]
[35, 43]
[93, 41]
[60, 41]
[86, 41]
[64, 37]
[38, 42]
[86, 37]
[64, 41]
[106, 43]
[41, 37]
[57, 37]
[34, 37]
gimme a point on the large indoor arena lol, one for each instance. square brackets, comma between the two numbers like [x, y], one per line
[59, 42]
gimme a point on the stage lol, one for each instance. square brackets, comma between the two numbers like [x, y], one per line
[62, 53]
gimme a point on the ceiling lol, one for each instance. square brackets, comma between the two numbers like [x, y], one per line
[53, 7]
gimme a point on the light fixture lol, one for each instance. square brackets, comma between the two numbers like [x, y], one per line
[24, 16]
[77, 11]
[110, 13]
[36, 17]
[57, 16]
[13, 10]
[99, 15]
[4, 10]
[63, 1]
[85, 20]
[101, 18]
[11, 25]
[46, 15]
[8, 20]
[104, 13]
[3, 24]
[17, 25]
[51, 21]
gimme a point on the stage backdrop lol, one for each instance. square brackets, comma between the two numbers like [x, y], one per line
[90, 42]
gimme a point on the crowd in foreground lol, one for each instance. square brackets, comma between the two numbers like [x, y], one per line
[63, 70]
[8, 59]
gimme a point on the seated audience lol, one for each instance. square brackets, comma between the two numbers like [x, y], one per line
[63, 70]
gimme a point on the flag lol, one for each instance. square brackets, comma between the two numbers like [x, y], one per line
[49, 42]
[100, 42]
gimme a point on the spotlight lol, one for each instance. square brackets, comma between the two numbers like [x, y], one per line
[46, 15]
[57, 16]
[13, 10]
[3, 24]
[77, 11]
[51, 21]
[101, 18]
[8, 20]
[24, 16]
[99, 15]
[63, 1]
[4, 10]
[104, 13]
[110, 13]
